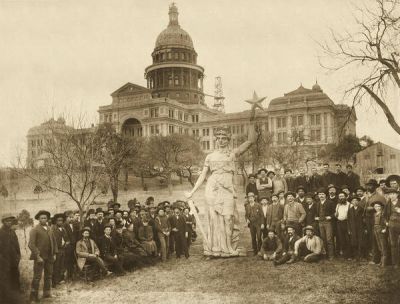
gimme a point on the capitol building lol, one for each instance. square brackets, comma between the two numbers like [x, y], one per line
[173, 101]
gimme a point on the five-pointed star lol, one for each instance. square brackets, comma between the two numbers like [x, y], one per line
[256, 101]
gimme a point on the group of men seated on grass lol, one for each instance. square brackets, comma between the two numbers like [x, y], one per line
[352, 222]
[111, 241]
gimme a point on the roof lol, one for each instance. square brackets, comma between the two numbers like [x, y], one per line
[174, 35]
[377, 145]
[130, 89]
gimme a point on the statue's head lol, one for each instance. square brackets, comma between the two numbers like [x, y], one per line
[222, 136]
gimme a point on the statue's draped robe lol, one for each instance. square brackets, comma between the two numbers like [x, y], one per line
[221, 204]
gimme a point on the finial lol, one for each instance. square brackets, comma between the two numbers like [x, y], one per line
[173, 14]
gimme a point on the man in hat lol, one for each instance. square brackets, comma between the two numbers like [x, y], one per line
[274, 214]
[380, 246]
[271, 248]
[253, 219]
[10, 255]
[163, 229]
[190, 221]
[301, 180]
[332, 193]
[108, 251]
[88, 252]
[369, 211]
[72, 234]
[341, 215]
[288, 247]
[264, 201]
[62, 241]
[324, 214]
[356, 227]
[293, 213]
[43, 246]
[392, 217]
[353, 179]
[281, 198]
[252, 186]
[310, 247]
[98, 227]
[264, 183]
[328, 177]
[116, 206]
[290, 180]
[301, 192]
[179, 233]
[311, 211]
[314, 181]
[381, 187]
[90, 219]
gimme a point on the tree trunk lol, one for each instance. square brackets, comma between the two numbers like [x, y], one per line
[142, 179]
[169, 183]
[114, 187]
[190, 177]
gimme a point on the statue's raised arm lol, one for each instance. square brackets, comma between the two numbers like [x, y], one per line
[252, 132]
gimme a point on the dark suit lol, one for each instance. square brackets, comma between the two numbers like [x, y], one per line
[61, 237]
[341, 179]
[10, 256]
[72, 234]
[252, 187]
[328, 178]
[288, 249]
[179, 236]
[301, 180]
[108, 251]
[353, 181]
[254, 215]
[355, 218]
[98, 231]
[325, 225]
[315, 182]
[311, 213]
[42, 243]
[291, 184]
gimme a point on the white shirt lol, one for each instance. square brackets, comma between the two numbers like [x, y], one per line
[342, 210]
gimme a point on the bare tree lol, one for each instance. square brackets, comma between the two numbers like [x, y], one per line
[371, 54]
[68, 164]
[115, 151]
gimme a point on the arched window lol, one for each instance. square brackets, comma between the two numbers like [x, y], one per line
[176, 80]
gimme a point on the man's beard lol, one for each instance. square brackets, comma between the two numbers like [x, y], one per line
[342, 201]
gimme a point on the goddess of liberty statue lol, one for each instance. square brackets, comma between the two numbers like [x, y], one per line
[222, 235]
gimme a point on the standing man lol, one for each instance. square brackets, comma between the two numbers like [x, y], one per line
[98, 227]
[72, 233]
[178, 226]
[314, 181]
[274, 214]
[328, 177]
[252, 186]
[341, 177]
[43, 246]
[108, 251]
[62, 242]
[278, 182]
[341, 214]
[290, 180]
[353, 179]
[163, 228]
[301, 192]
[253, 219]
[311, 212]
[325, 213]
[264, 184]
[293, 213]
[301, 180]
[356, 228]
[264, 216]
[392, 215]
[10, 255]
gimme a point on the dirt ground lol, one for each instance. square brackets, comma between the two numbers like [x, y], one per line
[234, 280]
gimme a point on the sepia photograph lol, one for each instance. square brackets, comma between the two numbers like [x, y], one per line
[200, 152]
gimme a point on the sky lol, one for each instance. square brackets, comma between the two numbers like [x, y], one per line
[67, 57]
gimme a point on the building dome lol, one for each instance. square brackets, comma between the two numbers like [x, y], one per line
[316, 87]
[174, 35]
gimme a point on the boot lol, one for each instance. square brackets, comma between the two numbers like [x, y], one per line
[34, 297]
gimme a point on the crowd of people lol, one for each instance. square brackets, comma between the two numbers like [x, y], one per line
[330, 215]
[109, 241]
[290, 218]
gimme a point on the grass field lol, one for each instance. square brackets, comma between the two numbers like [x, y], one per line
[235, 280]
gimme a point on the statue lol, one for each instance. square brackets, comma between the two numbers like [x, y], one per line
[221, 239]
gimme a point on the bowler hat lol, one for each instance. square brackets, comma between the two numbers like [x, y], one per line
[263, 197]
[321, 190]
[290, 193]
[271, 172]
[41, 212]
[252, 175]
[290, 226]
[344, 187]
[309, 195]
[250, 194]
[107, 226]
[7, 217]
[309, 227]
[332, 186]
[57, 216]
[99, 210]
[355, 197]
[116, 205]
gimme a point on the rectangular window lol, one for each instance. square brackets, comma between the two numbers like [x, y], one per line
[185, 117]
[294, 121]
[300, 120]
[318, 119]
[154, 112]
[242, 128]
[392, 156]
[180, 130]
[171, 129]
[180, 115]
[281, 122]
[171, 113]
[176, 56]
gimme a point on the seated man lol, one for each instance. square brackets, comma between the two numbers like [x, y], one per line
[288, 247]
[310, 247]
[108, 251]
[271, 248]
[87, 251]
[128, 258]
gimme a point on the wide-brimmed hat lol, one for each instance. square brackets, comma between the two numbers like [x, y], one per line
[332, 186]
[309, 195]
[271, 172]
[321, 190]
[372, 182]
[116, 205]
[359, 188]
[390, 190]
[262, 169]
[392, 177]
[344, 187]
[41, 212]
[7, 217]
[290, 193]
[354, 197]
[250, 194]
[301, 187]
[252, 175]
[86, 229]
[309, 227]
[99, 210]
[57, 216]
